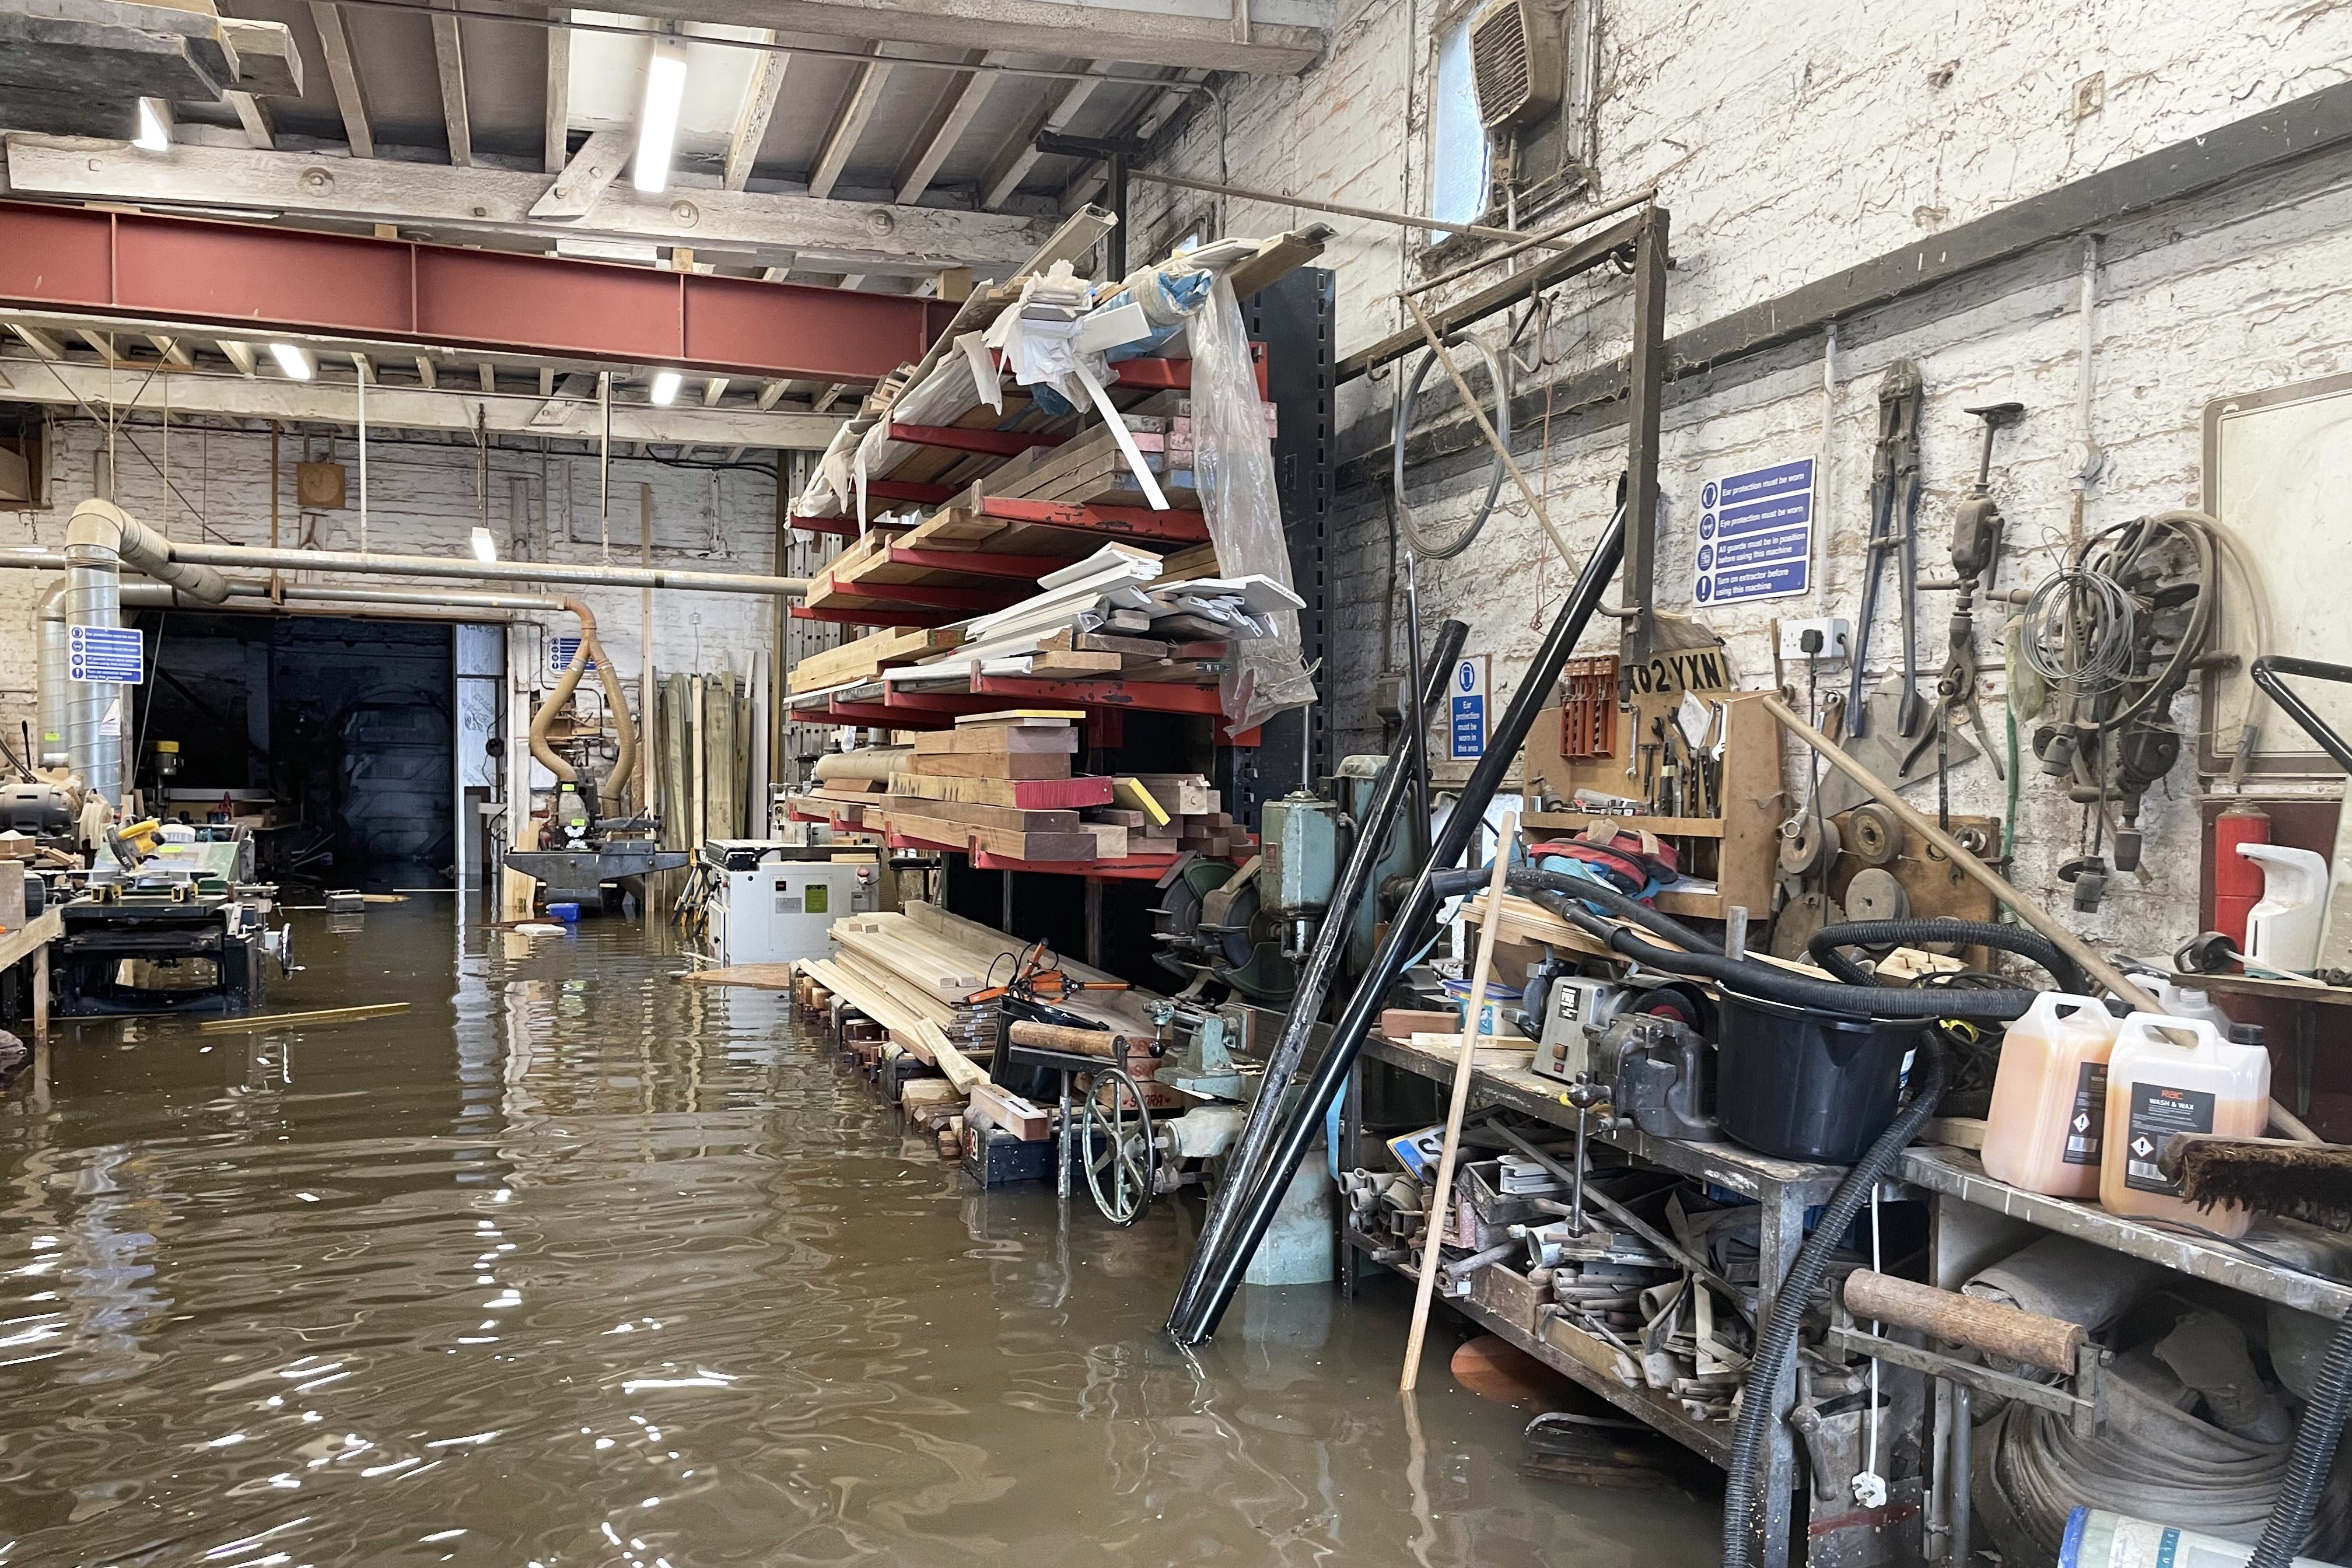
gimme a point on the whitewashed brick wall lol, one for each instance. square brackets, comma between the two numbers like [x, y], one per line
[1791, 141]
[422, 500]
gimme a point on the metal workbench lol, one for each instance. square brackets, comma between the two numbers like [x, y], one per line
[1783, 1189]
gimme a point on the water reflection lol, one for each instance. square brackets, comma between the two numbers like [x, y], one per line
[570, 1263]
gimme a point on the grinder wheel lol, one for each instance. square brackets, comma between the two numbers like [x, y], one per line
[1872, 836]
[1876, 895]
[1808, 844]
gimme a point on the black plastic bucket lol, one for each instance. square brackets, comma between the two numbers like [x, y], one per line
[1804, 1085]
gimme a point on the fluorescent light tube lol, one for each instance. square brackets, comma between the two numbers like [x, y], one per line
[665, 385]
[291, 359]
[154, 136]
[486, 549]
[657, 122]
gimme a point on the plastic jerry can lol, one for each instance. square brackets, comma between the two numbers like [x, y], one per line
[2050, 1097]
[2178, 1075]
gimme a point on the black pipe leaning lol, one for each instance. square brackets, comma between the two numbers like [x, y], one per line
[1406, 932]
[1315, 977]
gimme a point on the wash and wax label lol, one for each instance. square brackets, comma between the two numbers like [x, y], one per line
[2157, 1113]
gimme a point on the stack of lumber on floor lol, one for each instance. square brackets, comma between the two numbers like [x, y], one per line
[909, 971]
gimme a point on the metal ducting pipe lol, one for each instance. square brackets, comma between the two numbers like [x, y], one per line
[374, 564]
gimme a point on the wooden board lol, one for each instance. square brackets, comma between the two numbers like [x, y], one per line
[756, 976]
[865, 658]
[1187, 795]
[991, 764]
[1034, 795]
[970, 837]
[999, 739]
[1009, 1111]
[1028, 718]
[1014, 818]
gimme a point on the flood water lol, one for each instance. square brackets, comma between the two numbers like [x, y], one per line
[571, 1264]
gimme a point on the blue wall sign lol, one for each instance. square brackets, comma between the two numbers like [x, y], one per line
[1755, 534]
[117, 655]
[561, 651]
[1465, 707]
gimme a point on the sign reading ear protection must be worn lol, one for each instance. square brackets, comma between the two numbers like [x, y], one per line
[1465, 705]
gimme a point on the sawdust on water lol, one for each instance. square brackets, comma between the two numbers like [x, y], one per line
[570, 1263]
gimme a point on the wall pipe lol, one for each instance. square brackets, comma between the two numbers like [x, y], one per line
[54, 688]
[466, 567]
[100, 539]
[1405, 930]
[1242, 1172]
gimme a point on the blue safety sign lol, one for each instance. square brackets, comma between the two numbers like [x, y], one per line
[116, 655]
[561, 651]
[1466, 707]
[1755, 534]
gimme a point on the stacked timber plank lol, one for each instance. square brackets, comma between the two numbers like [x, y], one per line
[1169, 813]
[964, 789]
[913, 972]
[867, 656]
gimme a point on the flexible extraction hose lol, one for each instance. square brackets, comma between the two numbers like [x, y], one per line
[1775, 1340]
[2314, 1457]
[610, 794]
[1826, 946]
[1429, 547]
[1774, 983]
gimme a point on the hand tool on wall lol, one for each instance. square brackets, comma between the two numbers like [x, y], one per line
[1976, 552]
[1894, 519]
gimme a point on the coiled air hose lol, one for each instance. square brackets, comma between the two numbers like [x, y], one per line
[1775, 1340]
[1823, 949]
[2314, 1456]
[1432, 547]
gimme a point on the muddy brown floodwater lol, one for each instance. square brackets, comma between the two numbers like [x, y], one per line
[571, 1264]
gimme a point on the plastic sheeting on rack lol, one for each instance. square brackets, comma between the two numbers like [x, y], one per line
[1233, 469]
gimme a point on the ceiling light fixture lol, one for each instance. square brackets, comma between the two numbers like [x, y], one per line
[291, 359]
[658, 123]
[486, 549]
[665, 385]
[154, 135]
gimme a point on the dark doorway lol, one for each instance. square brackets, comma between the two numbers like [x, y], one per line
[339, 730]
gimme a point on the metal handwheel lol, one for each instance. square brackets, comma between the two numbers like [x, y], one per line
[1116, 1143]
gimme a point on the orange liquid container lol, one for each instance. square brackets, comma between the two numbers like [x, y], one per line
[2050, 1097]
[2178, 1075]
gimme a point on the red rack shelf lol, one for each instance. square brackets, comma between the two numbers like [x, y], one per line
[1174, 526]
[981, 562]
[878, 617]
[956, 438]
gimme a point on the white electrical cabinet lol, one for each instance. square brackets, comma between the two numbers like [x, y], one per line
[773, 903]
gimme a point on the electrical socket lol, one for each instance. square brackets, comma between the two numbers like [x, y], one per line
[1837, 641]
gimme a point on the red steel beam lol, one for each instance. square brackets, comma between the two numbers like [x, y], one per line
[981, 562]
[260, 278]
[995, 443]
[1130, 522]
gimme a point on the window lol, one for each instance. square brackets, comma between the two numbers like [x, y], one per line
[1460, 160]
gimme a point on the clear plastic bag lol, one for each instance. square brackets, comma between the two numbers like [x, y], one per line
[1234, 472]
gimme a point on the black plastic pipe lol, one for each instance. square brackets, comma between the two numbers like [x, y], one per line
[1750, 978]
[1405, 932]
[2026, 943]
[1315, 978]
[2312, 1459]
